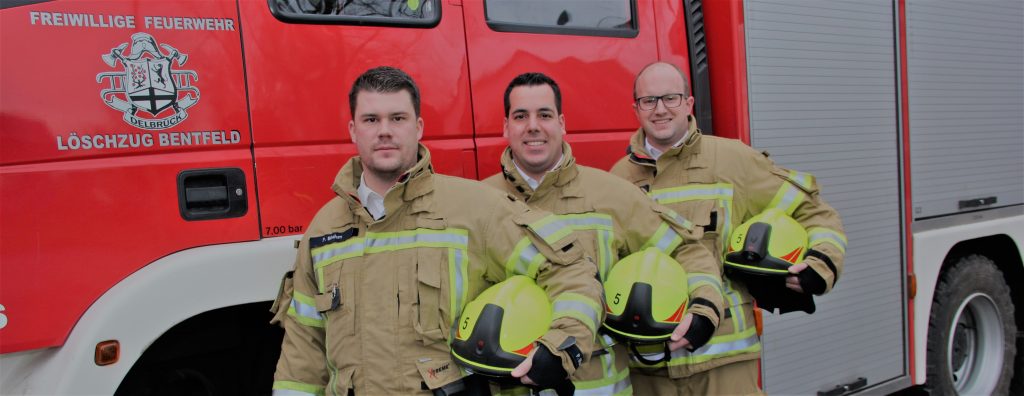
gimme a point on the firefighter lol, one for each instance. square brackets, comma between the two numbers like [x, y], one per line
[718, 184]
[613, 219]
[388, 264]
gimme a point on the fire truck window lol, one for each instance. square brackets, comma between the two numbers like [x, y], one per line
[613, 18]
[415, 13]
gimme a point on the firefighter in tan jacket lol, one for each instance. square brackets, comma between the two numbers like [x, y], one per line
[613, 219]
[387, 265]
[718, 184]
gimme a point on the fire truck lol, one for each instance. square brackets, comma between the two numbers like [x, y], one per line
[159, 160]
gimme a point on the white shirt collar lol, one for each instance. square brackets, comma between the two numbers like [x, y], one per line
[655, 153]
[373, 202]
[529, 180]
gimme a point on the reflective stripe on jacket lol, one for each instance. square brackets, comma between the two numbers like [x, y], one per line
[371, 303]
[718, 184]
[614, 219]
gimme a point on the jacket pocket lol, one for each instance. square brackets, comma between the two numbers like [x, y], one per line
[707, 215]
[283, 300]
[430, 297]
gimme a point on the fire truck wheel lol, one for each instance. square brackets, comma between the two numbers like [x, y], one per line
[971, 332]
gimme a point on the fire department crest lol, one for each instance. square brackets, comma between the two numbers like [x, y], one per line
[150, 93]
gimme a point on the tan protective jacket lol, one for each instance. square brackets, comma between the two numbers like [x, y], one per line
[371, 303]
[614, 220]
[719, 184]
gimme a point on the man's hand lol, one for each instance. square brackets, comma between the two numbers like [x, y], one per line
[793, 281]
[524, 367]
[676, 341]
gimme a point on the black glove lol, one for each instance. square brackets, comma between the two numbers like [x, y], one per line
[811, 282]
[699, 333]
[547, 371]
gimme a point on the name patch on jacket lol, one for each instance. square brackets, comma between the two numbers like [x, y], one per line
[336, 237]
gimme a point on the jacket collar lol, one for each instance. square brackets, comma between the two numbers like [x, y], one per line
[414, 183]
[558, 178]
[638, 153]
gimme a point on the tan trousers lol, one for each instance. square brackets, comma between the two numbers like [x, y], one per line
[738, 378]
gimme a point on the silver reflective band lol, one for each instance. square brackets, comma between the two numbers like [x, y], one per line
[355, 247]
[831, 236]
[306, 310]
[610, 389]
[525, 258]
[666, 243]
[719, 348]
[585, 221]
[715, 192]
[694, 279]
[792, 193]
[458, 281]
[460, 240]
[570, 306]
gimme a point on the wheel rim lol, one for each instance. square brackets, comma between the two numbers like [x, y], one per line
[974, 354]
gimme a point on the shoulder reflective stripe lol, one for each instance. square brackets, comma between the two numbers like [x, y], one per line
[787, 198]
[817, 235]
[458, 272]
[525, 260]
[303, 309]
[665, 239]
[290, 388]
[680, 219]
[551, 229]
[692, 192]
[697, 280]
[718, 347]
[802, 179]
[577, 306]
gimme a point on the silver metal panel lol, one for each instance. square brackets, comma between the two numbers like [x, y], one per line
[822, 78]
[966, 82]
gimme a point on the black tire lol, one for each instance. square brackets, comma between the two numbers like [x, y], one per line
[971, 332]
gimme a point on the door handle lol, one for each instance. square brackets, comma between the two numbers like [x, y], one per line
[207, 194]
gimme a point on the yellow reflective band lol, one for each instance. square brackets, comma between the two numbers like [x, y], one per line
[303, 309]
[587, 221]
[290, 388]
[802, 179]
[695, 280]
[377, 242]
[551, 229]
[692, 192]
[605, 259]
[816, 235]
[787, 198]
[458, 273]
[718, 347]
[680, 219]
[452, 238]
[525, 260]
[577, 306]
[665, 239]
[614, 384]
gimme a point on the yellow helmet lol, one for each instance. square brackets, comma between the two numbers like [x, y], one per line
[767, 244]
[499, 327]
[645, 296]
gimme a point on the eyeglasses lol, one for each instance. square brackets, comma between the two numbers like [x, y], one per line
[650, 102]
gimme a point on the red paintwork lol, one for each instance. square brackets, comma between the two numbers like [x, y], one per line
[299, 102]
[908, 237]
[723, 24]
[74, 223]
